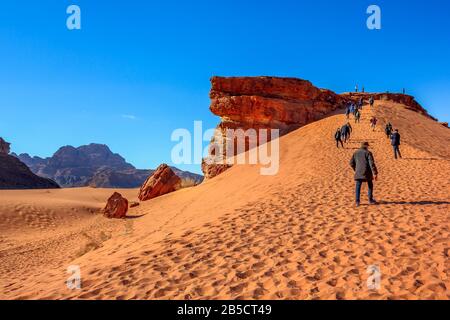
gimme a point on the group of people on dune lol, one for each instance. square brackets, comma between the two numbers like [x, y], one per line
[362, 161]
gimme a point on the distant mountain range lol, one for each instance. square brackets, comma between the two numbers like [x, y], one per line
[93, 165]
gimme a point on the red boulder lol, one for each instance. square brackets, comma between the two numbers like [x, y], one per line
[161, 182]
[116, 207]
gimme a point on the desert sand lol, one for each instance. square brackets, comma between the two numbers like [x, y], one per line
[296, 235]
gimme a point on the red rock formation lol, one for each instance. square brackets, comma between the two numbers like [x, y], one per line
[116, 207]
[162, 181]
[280, 103]
[4, 146]
[263, 103]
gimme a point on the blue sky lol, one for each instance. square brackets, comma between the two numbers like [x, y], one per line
[140, 69]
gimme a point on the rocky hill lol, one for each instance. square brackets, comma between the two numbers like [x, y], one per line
[16, 175]
[92, 165]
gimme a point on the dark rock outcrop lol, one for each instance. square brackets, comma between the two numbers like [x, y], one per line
[161, 182]
[116, 207]
[4, 146]
[16, 175]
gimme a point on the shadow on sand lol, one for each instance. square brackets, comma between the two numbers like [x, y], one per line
[423, 203]
[422, 159]
[362, 140]
[135, 217]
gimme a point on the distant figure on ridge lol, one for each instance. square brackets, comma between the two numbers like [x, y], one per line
[373, 123]
[371, 101]
[356, 88]
[404, 91]
[365, 169]
[388, 130]
[337, 137]
[395, 142]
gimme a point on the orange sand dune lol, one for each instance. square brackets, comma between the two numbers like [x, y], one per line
[241, 235]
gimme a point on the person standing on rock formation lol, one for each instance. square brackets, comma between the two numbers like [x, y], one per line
[338, 138]
[395, 142]
[363, 163]
[356, 88]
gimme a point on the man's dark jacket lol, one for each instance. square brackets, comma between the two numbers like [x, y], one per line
[395, 139]
[337, 135]
[363, 164]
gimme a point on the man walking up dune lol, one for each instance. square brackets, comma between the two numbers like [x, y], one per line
[395, 142]
[388, 130]
[365, 169]
[346, 130]
[338, 138]
[373, 123]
